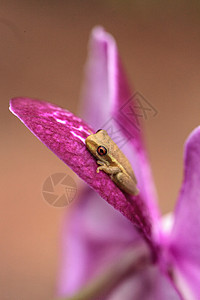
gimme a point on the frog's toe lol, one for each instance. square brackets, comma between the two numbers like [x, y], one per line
[98, 169]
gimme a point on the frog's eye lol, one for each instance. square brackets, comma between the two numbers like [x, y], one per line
[101, 150]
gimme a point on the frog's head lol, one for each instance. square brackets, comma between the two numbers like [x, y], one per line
[98, 145]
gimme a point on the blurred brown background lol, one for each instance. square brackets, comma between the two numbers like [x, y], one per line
[43, 47]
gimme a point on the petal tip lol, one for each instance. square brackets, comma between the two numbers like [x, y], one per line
[11, 105]
[101, 35]
[193, 138]
[195, 131]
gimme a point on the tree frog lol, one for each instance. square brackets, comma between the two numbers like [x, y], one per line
[112, 161]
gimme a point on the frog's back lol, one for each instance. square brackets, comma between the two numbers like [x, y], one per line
[124, 162]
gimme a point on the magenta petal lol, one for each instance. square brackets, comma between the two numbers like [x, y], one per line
[185, 235]
[105, 93]
[94, 236]
[65, 134]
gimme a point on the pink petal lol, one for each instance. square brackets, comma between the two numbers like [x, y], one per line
[149, 284]
[94, 236]
[98, 99]
[105, 93]
[185, 235]
[65, 134]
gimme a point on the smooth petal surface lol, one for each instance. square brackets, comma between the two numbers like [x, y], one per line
[65, 134]
[94, 236]
[185, 235]
[150, 284]
[106, 96]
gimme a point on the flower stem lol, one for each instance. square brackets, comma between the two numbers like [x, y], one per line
[134, 260]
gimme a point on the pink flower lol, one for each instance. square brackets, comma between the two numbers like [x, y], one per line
[100, 245]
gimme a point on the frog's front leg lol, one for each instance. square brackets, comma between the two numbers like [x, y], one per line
[102, 163]
[111, 170]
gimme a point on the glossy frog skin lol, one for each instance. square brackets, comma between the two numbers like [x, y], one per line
[112, 161]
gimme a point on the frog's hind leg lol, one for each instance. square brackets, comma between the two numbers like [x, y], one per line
[125, 183]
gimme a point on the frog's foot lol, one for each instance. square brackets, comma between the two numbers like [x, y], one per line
[102, 167]
[109, 170]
